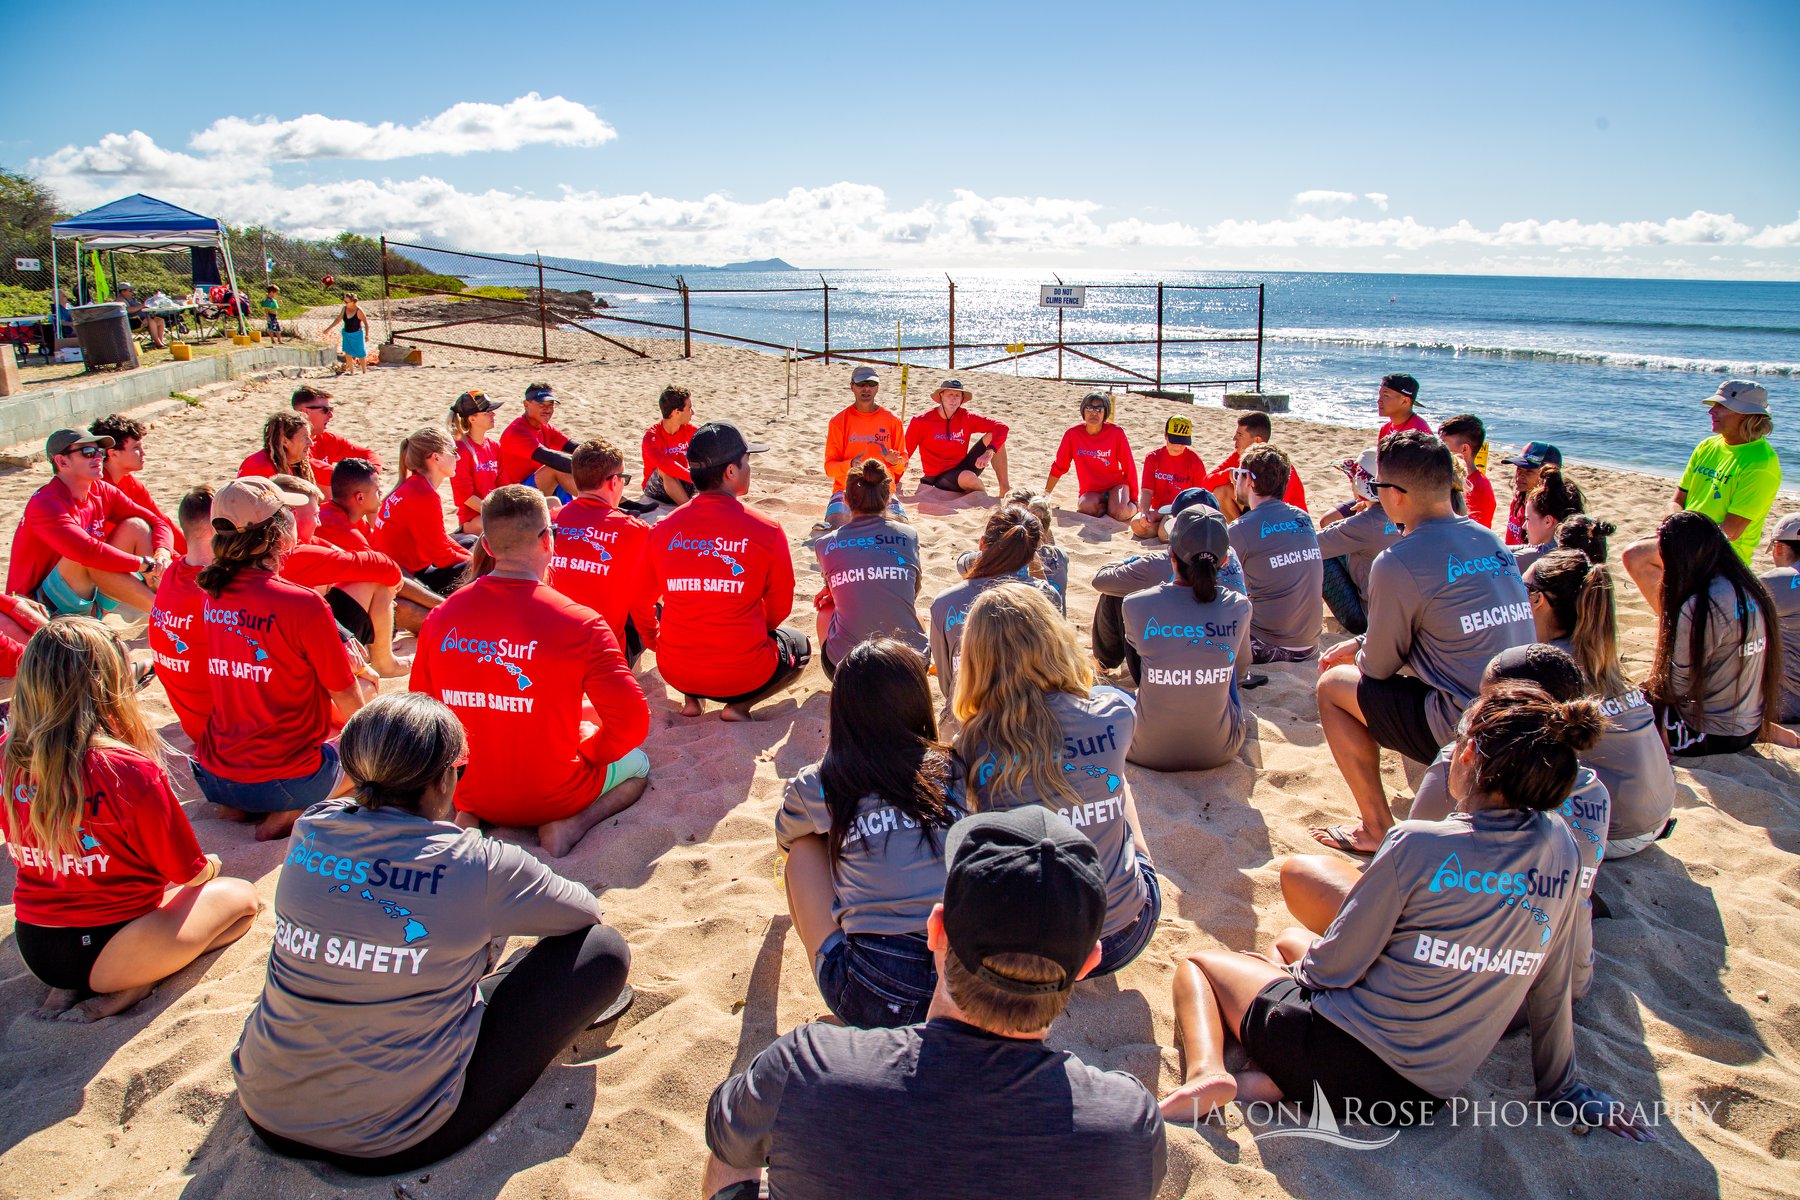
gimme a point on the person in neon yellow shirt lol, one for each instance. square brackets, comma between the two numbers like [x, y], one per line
[1731, 477]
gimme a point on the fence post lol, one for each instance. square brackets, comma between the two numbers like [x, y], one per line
[543, 310]
[952, 321]
[1059, 316]
[825, 288]
[687, 327]
[1259, 334]
[387, 293]
[1159, 324]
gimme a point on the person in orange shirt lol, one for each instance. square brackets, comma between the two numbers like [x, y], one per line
[863, 430]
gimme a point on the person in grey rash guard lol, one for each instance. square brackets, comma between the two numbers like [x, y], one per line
[1280, 551]
[1053, 560]
[1443, 600]
[1784, 589]
[1184, 640]
[1009, 547]
[871, 570]
[1117, 580]
[382, 1042]
[1452, 927]
[1714, 701]
[1349, 544]
[1573, 608]
[863, 830]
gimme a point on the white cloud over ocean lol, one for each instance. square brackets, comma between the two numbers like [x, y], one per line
[256, 172]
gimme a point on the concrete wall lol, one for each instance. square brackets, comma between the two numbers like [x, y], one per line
[36, 414]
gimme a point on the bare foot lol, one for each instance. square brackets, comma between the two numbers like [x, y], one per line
[227, 813]
[58, 1002]
[391, 667]
[736, 712]
[98, 1008]
[1196, 1099]
[693, 707]
[276, 826]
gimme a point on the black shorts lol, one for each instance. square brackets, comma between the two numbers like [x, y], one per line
[947, 480]
[792, 652]
[64, 957]
[1687, 742]
[829, 666]
[351, 616]
[1395, 711]
[443, 580]
[1298, 1048]
[654, 489]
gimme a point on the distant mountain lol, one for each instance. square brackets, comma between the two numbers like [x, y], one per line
[760, 264]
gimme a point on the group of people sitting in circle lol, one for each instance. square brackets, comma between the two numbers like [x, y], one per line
[949, 889]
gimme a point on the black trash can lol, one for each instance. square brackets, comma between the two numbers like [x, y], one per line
[104, 332]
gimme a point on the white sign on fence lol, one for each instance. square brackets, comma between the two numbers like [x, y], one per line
[1056, 295]
[27, 264]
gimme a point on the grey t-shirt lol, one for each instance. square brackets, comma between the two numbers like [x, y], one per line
[1631, 761]
[1443, 600]
[1784, 588]
[943, 1110]
[1587, 812]
[1280, 551]
[1142, 571]
[871, 566]
[1452, 925]
[370, 1011]
[1736, 644]
[950, 612]
[1190, 717]
[1524, 556]
[889, 873]
[1053, 560]
[1357, 539]
[1097, 732]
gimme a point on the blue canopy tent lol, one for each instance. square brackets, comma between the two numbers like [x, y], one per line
[142, 224]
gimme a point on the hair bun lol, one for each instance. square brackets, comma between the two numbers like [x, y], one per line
[1579, 724]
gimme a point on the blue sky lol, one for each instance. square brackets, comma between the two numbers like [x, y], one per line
[1647, 138]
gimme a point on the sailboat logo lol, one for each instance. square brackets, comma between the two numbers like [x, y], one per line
[1322, 1126]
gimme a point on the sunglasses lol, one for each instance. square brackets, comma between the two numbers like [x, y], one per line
[324, 408]
[88, 451]
[624, 477]
[1380, 486]
[1093, 408]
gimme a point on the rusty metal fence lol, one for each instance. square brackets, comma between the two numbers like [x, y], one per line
[553, 296]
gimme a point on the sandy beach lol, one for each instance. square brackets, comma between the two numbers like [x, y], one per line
[1696, 1000]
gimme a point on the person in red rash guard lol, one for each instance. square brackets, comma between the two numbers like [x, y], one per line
[344, 523]
[1394, 400]
[99, 837]
[327, 447]
[286, 450]
[477, 457]
[178, 639]
[1105, 472]
[19, 619]
[125, 460]
[409, 527]
[534, 451]
[513, 658]
[955, 445]
[1466, 435]
[277, 664]
[726, 580]
[1252, 427]
[1169, 470]
[666, 478]
[82, 545]
[863, 430]
[601, 561]
[359, 585]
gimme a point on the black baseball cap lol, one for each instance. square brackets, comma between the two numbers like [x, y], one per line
[716, 443]
[475, 401]
[1405, 384]
[1024, 881]
[1186, 498]
[1534, 455]
[540, 391]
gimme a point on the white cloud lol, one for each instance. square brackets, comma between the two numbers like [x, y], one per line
[1774, 236]
[1378, 199]
[1323, 197]
[460, 129]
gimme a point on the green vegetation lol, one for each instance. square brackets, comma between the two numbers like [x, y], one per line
[496, 292]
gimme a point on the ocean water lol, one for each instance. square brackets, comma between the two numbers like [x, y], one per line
[1613, 371]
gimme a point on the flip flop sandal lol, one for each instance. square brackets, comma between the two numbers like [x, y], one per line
[1338, 837]
[616, 1009]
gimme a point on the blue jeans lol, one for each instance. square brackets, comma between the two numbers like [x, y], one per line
[1119, 949]
[273, 795]
[876, 981]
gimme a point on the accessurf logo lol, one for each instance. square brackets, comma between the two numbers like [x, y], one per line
[1494, 564]
[1450, 874]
